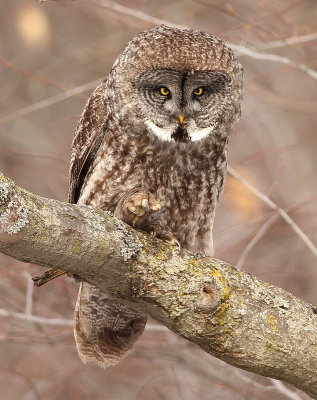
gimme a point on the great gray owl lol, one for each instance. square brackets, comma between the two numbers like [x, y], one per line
[151, 146]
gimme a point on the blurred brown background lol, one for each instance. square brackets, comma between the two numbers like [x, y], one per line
[52, 56]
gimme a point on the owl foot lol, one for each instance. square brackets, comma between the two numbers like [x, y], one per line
[140, 209]
[136, 207]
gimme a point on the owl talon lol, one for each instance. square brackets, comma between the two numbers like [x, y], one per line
[174, 242]
[144, 203]
[137, 210]
[132, 209]
[163, 233]
[170, 239]
[154, 204]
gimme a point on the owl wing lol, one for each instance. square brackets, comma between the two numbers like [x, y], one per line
[88, 137]
[104, 328]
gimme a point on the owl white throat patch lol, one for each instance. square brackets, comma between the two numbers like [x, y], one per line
[178, 133]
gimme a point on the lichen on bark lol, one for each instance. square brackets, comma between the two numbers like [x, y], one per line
[227, 312]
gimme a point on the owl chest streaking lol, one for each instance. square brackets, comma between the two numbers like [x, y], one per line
[186, 178]
[151, 147]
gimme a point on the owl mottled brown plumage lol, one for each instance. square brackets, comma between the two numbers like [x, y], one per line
[151, 146]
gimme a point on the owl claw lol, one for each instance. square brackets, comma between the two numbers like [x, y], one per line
[144, 203]
[137, 210]
[154, 204]
[163, 233]
[174, 242]
[171, 240]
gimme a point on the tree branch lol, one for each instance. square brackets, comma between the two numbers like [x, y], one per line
[228, 313]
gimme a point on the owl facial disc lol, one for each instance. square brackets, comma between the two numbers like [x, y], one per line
[182, 106]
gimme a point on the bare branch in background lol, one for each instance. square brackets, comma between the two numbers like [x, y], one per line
[49, 102]
[242, 50]
[28, 74]
[36, 319]
[275, 207]
[29, 294]
[297, 39]
[260, 233]
[273, 57]
[58, 321]
[283, 389]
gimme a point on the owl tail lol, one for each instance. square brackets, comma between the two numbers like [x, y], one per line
[105, 329]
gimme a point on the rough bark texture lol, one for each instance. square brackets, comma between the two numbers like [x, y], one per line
[227, 312]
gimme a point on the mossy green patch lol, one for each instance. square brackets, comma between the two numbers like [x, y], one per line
[269, 346]
[162, 256]
[76, 245]
[272, 322]
[194, 263]
[225, 290]
[216, 273]
[225, 294]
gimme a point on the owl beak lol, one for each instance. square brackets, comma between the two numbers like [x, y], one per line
[181, 119]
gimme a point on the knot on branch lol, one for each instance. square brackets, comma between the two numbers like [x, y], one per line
[209, 299]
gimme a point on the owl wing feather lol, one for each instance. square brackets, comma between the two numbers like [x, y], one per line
[104, 328]
[88, 138]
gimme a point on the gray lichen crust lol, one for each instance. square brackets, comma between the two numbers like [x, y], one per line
[5, 189]
[13, 214]
[129, 246]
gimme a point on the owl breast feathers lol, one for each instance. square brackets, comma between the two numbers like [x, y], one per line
[151, 146]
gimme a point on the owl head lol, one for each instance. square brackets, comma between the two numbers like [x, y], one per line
[181, 85]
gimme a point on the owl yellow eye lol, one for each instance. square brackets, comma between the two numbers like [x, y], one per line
[164, 91]
[198, 91]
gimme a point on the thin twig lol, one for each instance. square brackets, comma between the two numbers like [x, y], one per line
[276, 385]
[29, 293]
[136, 14]
[250, 52]
[50, 101]
[286, 42]
[34, 318]
[252, 382]
[275, 207]
[283, 389]
[260, 233]
[273, 57]
[61, 321]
